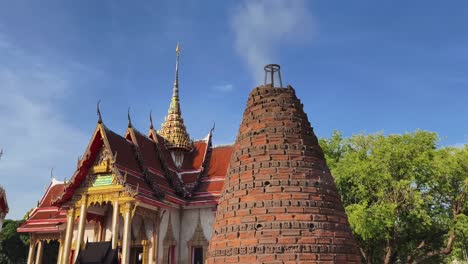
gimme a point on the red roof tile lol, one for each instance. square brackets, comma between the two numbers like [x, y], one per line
[194, 159]
[219, 162]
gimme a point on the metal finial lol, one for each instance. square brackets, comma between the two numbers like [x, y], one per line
[129, 118]
[177, 49]
[52, 173]
[213, 128]
[151, 120]
[270, 70]
[175, 92]
[99, 112]
[1, 153]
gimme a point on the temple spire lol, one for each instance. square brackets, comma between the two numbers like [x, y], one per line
[175, 90]
[173, 129]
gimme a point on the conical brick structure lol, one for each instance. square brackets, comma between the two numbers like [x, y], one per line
[279, 202]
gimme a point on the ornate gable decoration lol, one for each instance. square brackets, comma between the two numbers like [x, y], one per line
[102, 164]
[101, 172]
[198, 238]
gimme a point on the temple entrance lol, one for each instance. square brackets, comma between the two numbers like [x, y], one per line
[197, 255]
[51, 250]
[136, 255]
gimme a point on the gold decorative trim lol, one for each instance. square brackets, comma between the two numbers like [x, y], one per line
[45, 237]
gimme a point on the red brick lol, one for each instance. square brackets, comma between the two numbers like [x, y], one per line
[279, 172]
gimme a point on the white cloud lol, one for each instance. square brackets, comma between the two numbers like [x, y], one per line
[33, 132]
[260, 28]
[223, 87]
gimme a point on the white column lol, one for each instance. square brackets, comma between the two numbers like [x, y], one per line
[115, 225]
[68, 236]
[40, 250]
[81, 225]
[32, 250]
[127, 233]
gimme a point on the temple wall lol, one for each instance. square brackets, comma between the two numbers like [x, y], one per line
[163, 228]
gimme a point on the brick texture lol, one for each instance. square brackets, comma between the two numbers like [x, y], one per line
[279, 202]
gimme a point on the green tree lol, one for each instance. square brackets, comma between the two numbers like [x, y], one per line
[405, 198]
[13, 246]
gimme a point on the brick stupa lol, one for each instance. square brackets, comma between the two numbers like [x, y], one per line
[279, 202]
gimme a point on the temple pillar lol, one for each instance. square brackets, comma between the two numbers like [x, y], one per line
[81, 225]
[150, 252]
[40, 251]
[60, 252]
[146, 244]
[68, 236]
[115, 225]
[32, 250]
[127, 233]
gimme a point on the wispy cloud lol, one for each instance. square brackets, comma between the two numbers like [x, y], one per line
[461, 144]
[223, 87]
[261, 27]
[33, 132]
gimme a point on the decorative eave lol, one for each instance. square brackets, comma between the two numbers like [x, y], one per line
[205, 163]
[131, 134]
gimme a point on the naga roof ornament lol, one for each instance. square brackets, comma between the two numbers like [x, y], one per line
[173, 129]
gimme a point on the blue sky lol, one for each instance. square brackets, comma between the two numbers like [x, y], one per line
[358, 66]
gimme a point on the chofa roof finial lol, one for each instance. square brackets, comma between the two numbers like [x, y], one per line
[99, 112]
[129, 118]
[151, 120]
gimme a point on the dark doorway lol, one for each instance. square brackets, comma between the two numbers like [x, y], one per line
[197, 255]
[136, 255]
[50, 252]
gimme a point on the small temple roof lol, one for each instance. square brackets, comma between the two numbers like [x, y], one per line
[46, 217]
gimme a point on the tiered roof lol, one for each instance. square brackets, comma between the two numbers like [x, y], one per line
[46, 217]
[146, 166]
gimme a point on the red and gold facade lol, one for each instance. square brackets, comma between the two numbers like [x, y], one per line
[151, 196]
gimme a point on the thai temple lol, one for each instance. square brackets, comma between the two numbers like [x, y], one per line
[159, 197]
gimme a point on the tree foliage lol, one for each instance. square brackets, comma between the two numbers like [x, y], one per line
[405, 197]
[13, 246]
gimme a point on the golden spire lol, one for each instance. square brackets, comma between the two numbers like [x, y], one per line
[173, 128]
